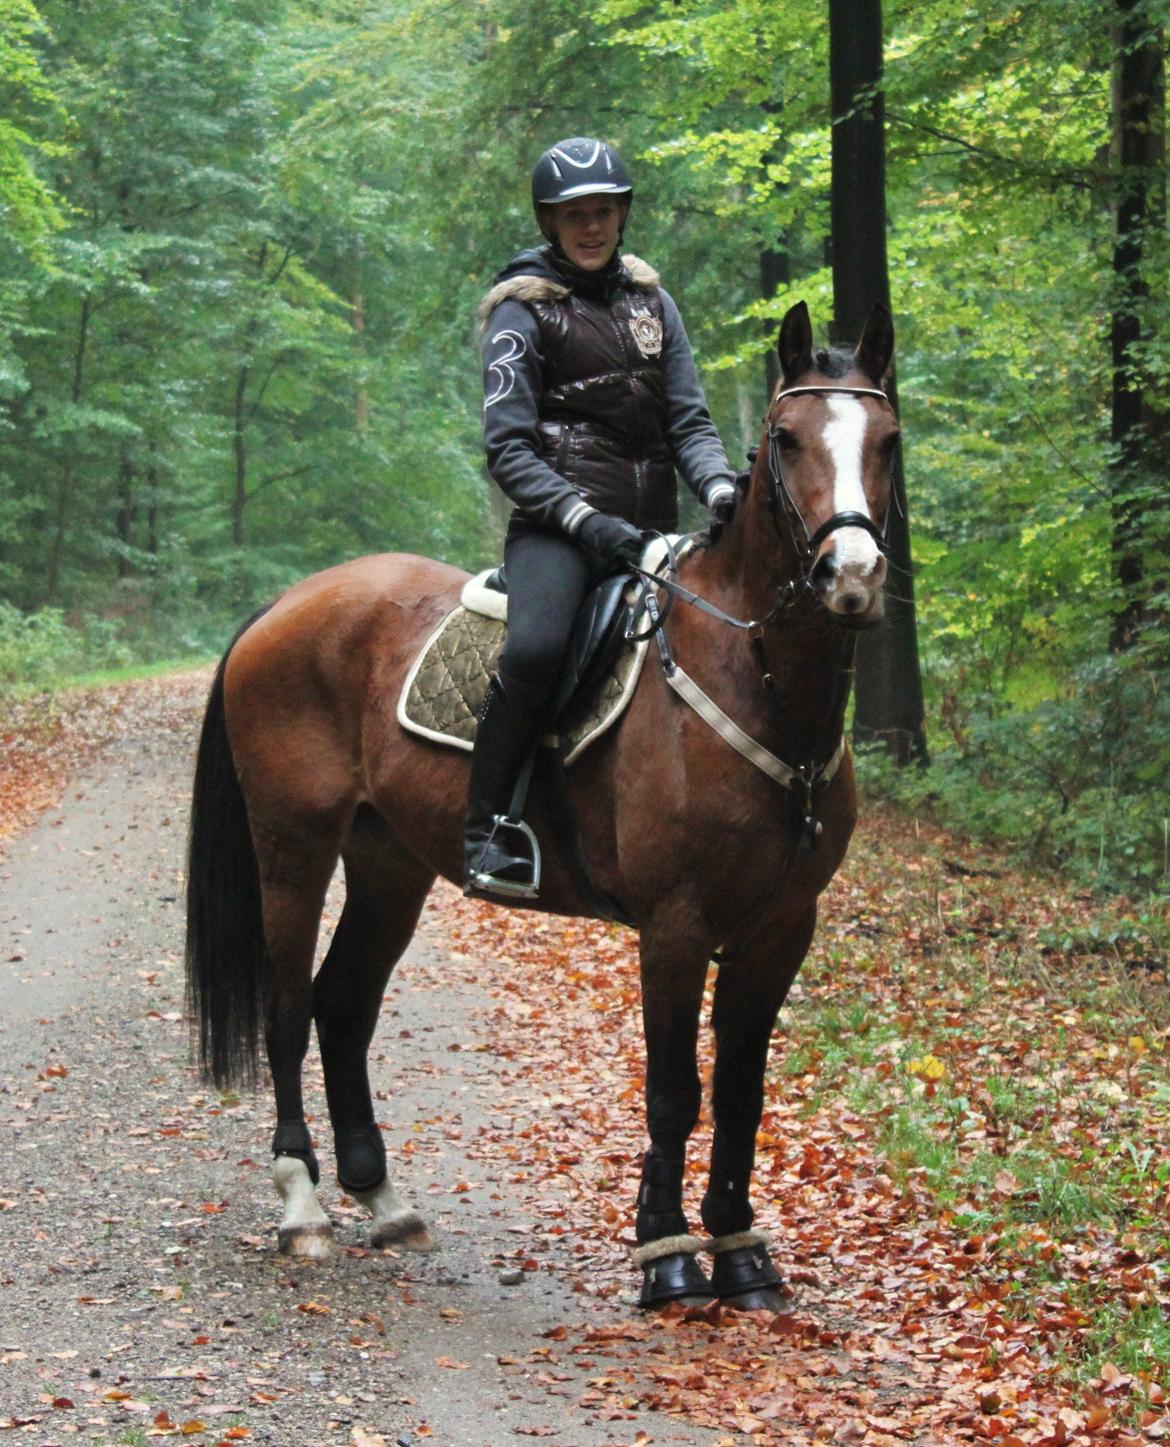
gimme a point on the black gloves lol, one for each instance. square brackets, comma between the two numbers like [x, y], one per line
[613, 541]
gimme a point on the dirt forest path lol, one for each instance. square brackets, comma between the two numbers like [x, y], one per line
[140, 1292]
[141, 1297]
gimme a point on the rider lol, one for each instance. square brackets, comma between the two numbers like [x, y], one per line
[591, 400]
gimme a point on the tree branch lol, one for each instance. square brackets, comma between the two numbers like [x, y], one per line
[279, 477]
[1081, 180]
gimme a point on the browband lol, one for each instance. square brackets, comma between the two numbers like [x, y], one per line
[849, 392]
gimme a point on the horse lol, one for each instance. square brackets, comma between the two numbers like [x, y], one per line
[716, 819]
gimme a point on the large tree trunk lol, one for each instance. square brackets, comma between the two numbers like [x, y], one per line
[889, 683]
[1139, 94]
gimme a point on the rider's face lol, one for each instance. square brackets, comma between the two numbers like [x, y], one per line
[587, 229]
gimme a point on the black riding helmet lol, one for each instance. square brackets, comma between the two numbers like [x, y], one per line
[579, 166]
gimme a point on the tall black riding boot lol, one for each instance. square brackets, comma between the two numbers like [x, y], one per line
[501, 855]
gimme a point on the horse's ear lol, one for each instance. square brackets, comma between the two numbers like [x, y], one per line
[795, 346]
[875, 350]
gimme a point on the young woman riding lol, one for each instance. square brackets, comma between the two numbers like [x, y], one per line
[591, 402]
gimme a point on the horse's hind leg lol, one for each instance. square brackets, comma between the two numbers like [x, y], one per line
[748, 996]
[674, 971]
[295, 868]
[385, 890]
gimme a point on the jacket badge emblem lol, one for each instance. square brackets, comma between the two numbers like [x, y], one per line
[647, 333]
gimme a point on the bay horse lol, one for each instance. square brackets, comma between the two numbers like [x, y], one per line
[711, 850]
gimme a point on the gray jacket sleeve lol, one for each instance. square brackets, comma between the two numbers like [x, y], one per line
[698, 452]
[512, 369]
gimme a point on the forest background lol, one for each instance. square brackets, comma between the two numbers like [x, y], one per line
[244, 243]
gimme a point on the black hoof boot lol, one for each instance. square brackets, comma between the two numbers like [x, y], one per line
[744, 1278]
[361, 1158]
[675, 1276]
[292, 1138]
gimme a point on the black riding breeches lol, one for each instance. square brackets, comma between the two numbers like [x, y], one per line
[548, 577]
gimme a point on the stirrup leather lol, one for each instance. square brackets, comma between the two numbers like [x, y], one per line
[478, 879]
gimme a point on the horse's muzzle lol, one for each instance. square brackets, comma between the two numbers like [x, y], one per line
[854, 591]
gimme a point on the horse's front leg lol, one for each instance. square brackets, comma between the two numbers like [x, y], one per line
[748, 995]
[674, 971]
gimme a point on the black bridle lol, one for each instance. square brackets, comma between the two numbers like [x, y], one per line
[805, 549]
[778, 495]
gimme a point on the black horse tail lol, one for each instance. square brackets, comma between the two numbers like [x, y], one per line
[227, 963]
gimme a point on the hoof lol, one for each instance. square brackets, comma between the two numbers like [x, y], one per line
[307, 1243]
[777, 1300]
[677, 1277]
[408, 1232]
[745, 1280]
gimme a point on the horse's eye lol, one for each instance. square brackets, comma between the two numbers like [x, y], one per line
[887, 444]
[788, 440]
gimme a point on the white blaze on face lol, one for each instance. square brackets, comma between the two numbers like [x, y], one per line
[844, 435]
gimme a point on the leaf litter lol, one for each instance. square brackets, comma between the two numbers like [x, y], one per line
[963, 1161]
[963, 1166]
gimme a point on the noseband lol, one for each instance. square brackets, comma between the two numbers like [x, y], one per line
[779, 496]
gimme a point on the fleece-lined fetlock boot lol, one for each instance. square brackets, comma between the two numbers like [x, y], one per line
[501, 855]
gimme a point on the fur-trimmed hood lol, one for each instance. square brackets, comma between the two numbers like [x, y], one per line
[531, 276]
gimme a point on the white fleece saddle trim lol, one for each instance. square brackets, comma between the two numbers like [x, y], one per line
[477, 597]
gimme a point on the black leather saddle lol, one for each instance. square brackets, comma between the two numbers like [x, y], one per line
[599, 631]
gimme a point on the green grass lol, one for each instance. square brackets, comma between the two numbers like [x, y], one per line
[1044, 1132]
[15, 697]
[131, 672]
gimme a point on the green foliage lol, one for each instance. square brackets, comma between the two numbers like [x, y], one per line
[1075, 782]
[39, 650]
[245, 244]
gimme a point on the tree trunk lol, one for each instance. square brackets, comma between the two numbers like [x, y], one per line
[357, 315]
[889, 704]
[240, 486]
[1139, 92]
[775, 273]
[152, 506]
[124, 517]
[69, 466]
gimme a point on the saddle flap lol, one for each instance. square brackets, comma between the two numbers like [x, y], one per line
[599, 632]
